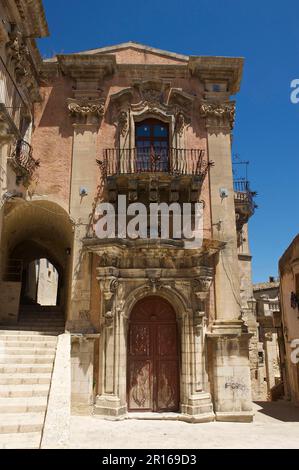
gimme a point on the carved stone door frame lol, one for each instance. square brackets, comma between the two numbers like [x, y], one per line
[153, 361]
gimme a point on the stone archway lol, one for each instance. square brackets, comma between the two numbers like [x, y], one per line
[34, 230]
[153, 357]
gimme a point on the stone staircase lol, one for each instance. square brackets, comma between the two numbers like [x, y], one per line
[27, 354]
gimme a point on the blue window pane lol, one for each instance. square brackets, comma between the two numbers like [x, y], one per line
[160, 131]
[143, 143]
[143, 131]
[160, 144]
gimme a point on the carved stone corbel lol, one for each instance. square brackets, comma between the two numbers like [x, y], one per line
[201, 287]
[86, 111]
[108, 287]
[219, 114]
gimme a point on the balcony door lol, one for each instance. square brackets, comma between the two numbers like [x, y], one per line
[152, 146]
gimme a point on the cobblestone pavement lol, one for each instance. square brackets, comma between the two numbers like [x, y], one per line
[276, 425]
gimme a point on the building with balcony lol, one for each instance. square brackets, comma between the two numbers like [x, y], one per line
[271, 370]
[289, 318]
[20, 61]
[156, 326]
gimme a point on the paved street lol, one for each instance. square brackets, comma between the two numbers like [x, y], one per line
[276, 425]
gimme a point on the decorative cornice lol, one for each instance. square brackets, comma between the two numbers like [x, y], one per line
[95, 67]
[224, 69]
[33, 16]
[218, 114]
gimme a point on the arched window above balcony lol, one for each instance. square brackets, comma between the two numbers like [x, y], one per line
[152, 145]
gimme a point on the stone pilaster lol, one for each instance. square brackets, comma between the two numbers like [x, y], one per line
[219, 120]
[86, 115]
[228, 340]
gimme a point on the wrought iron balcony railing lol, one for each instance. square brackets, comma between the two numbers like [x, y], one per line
[244, 202]
[243, 193]
[22, 159]
[154, 160]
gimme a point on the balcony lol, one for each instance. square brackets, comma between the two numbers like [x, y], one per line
[23, 162]
[244, 202]
[153, 160]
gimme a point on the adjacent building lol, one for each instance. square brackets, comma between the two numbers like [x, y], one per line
[20, 64]
[289, 320]
[270, 345]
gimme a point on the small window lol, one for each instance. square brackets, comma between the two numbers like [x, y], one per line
[261, 357]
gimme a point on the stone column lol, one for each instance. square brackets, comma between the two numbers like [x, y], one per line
[229, 341]
[86, 116]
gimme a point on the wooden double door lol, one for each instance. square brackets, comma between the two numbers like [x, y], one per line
[153, 357]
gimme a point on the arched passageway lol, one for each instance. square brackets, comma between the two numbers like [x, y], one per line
[37, 241]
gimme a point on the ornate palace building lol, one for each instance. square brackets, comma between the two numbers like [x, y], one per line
[154, 326]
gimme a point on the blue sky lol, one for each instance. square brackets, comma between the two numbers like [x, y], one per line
[266, 133]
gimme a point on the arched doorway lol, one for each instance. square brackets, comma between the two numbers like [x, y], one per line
[153, 357]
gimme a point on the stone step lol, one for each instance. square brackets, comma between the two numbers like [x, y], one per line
[7, 335]
[26, 351]
[34, 317]
[22, 405]
[26, 344]
[26, 368]
[21, 423]
[26, 440]
[30, 359]
[25, 379]
[41, 330]
[37, 319]
[22, 391]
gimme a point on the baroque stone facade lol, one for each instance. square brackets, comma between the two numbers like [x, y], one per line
[87, 135]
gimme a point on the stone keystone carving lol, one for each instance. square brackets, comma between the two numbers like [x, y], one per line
[219, 114]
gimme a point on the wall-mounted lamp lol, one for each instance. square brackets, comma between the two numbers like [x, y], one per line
[223, 193]
[83, 191]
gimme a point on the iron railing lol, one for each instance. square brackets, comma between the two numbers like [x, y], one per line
[154, 160]
[243, 193]
[22, 158]
[10, 97]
